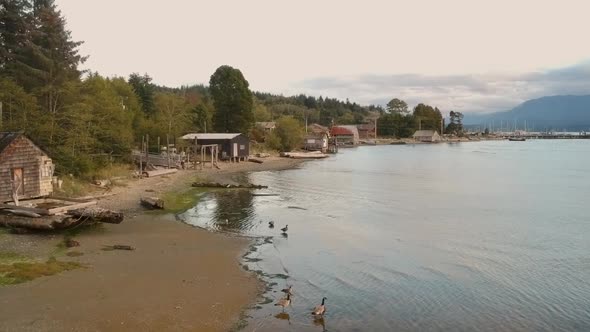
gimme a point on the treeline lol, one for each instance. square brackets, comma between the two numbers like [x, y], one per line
[325, 111]
[84, 120]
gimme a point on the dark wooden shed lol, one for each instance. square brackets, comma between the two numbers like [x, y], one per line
[25, 169]
[231, 146]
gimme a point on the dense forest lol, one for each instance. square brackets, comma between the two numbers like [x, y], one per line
[83, 119]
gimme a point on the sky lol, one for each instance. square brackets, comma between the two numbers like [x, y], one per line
[463, 55]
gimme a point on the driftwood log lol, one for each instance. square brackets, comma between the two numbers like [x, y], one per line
[152, 202]
[45, 223]
[97, 214]
[258, 161]
[85, 216]
[227, 186]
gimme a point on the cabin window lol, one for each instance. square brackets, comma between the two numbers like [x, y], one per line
[242, 147]
[46, 170]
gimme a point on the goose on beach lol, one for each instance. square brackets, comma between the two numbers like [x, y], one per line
[271, 224]
[320, 310]
[288, 290]
[284, 302]
[285, 229]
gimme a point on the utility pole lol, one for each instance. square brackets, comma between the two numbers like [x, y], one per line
[1, 115]
[376, 128]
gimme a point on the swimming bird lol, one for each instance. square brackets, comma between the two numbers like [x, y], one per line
[320, 310]
[288, 290]
[271, 224]
[285, 229]
[284, 302]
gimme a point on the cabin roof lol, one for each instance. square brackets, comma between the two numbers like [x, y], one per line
[425, 133]
[210, 136]
[6, 138]
[340, 131]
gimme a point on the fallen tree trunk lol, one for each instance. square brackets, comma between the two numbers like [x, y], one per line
[152, 202]
[97, 214]
[227, 186]
[258, 161]
[46, 223]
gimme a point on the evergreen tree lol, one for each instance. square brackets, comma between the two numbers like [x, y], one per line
[232, 100]
[144, 89]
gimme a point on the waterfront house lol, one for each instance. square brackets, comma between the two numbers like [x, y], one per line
[345, 135]
[427, 136]
[316, 142]
[317, 129]
[233, 146]
[366, 130]
[25, 169]
[266, 126]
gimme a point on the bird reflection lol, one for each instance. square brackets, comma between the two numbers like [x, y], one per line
[285, 235]
[320, 321]
[283, 316]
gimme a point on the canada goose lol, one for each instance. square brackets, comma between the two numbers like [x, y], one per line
[285, 229]
[288, 290]
[284, 302]
[320, 310]
[271, 224]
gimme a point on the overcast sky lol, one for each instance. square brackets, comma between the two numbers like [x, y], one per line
[466, 55]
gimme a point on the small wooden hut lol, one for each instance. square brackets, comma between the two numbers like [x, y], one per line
[233, 147]
[25, 169]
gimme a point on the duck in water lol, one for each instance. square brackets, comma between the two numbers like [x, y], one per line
[288, 290]
[285, 229]
[271, 224]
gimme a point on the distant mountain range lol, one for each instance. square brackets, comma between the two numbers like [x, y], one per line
[557, 113]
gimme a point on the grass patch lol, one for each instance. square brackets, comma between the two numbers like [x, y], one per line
[23, 270]
[181, 200]
[73, 187]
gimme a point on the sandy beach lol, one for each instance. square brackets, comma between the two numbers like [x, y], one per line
[178, 277]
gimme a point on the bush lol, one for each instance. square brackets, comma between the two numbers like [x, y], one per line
[289, 133]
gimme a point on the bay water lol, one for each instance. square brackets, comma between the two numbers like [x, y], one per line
[478, 236]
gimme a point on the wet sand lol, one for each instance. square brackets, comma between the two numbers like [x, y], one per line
[178, 278]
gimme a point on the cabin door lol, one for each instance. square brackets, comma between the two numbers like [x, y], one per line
[235, 149]
[18, 180]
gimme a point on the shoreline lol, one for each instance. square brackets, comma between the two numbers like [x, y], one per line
[178, 277]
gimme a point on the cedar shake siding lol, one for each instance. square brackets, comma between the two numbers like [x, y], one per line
[19, 154]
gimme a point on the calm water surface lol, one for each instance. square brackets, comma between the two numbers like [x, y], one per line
[480, 236]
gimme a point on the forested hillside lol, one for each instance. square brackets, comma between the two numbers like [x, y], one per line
[83, 119]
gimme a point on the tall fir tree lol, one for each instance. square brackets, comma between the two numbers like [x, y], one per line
[233, 101]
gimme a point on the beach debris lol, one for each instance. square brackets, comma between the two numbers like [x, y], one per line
[296, 208]
[284, 302]
[73, 218]
[98, 214]
[271, 224]
[71, 243]
[152, 202]
[227, 186]
[320, 310]
[262, 155]
[262, 194]
[159, 172]
[23, 213]
[254, 160]
[118, 247]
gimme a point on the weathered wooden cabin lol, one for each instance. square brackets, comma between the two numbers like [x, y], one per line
[234, 146]
[24, 168]
[316, 142]
[427, 136]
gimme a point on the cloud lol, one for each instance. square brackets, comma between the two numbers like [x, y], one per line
[466, 93]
